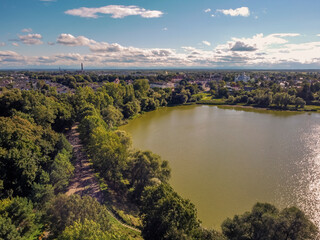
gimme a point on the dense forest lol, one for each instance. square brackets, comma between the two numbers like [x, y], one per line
[37, 164]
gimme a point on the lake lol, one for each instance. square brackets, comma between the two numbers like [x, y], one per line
[225, 160]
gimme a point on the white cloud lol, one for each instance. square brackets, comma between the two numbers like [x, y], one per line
[207, 10]
[31, 39]
[243, 11]
[206, 43]
[15, 44]
[258, 41]
[285, 34]
[242, 47]
[11, 57]
[270, 50]
[165, 29]
[106, 47]
[115, 51]
[8, 54]
[212, 15]
[318, 35]
[26, 30]
[70, 40]
[116, 11]
[258, 51]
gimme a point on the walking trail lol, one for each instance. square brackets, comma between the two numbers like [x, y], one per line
[84, 181]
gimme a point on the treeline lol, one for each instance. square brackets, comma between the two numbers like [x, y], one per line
[35, 170]
[36, 167]
[35, 159]
[116, 102]
[74, 80]
[142, 177]
[268, 94]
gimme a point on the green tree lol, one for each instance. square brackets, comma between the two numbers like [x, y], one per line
[86, 230]
[18, 219]
[141, 87]
[145, 168]
[131, 108]
[108, 153]
[299, 102]
[266, 222]
[64, 211]
[166, 215]
[61, 170]
[112, 116]
[26, 150]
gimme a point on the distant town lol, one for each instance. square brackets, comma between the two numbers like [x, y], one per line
[67, 81]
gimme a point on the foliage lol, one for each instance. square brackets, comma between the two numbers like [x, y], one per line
[45, 110]
[18, 220]
[112, 116]
[144, 169]
[64, 211]
[266, 222]
[86, 230]
[131, 108]
[166, 215]
[61, 170]
[35, 159]
[28, 155]
[26, 150]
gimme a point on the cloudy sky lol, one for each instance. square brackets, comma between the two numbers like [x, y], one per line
[268, 34]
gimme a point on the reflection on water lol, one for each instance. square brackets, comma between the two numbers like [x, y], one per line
[226, 160]
[308, 190]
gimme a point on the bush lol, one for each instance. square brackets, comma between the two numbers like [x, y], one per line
[265, 221]
[64, 211]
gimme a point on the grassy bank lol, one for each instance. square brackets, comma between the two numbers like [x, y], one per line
[291, 108]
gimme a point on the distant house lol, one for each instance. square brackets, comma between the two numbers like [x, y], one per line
[117, 81]
[242, 77]
[163, 85]
[157, 85]
[177, 79]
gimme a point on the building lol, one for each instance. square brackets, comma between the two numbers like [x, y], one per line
[242, 77]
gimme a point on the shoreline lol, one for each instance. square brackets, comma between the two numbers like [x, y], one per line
[248, 107]
[227, 106]
[252, 109]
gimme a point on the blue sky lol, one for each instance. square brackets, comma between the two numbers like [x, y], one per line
[160, 33]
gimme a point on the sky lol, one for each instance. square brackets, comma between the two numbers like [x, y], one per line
[106, 34]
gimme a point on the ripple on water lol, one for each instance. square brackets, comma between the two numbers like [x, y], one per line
[308, 189]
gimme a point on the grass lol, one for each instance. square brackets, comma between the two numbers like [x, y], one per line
[117, 227]
[206, 97]
[312, 108]
[207, 100]
[115, 205]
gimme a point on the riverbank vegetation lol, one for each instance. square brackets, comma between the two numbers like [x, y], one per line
[36, 166]
[266, 94]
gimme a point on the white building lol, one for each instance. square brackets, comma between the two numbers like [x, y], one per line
[242, 77]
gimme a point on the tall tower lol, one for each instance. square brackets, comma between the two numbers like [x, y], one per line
[81, 67]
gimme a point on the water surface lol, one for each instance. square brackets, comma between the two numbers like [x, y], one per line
[225, 160]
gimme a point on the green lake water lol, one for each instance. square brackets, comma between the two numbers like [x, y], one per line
[225, 160]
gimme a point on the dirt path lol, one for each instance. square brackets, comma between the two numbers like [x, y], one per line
[84, 182]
